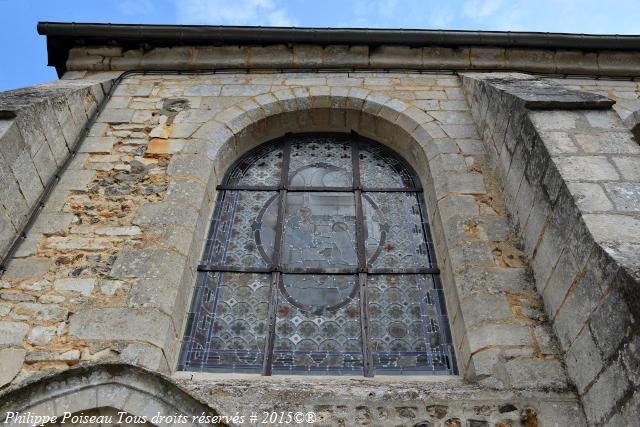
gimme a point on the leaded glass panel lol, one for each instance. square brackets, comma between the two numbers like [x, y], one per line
[380, 169]
[319, 230]
[321, 161]
[259, 168]
[395, 220]
[406, 324]
[318, 325]
[244, 230]
[228, 331]
[313, 267]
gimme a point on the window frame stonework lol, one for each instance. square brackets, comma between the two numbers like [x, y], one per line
[439, 362]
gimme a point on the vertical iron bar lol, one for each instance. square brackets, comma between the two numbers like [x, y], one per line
[277, 249]
[364, 324]
[267, 360]
[362, 259]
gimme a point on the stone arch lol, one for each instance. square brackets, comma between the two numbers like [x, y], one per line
[408, 130]
[110, 387]
[242, 126]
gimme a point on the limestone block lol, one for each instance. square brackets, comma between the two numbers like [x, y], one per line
[25, 171]
[39, 312]
[575, 61]
[12, 333]
[629, 167]
[21, 269]
[589, 197]
[97, 144]
[185, 191]
[487, 57]
[72, 243]
[169, 212]
[574, 168]
[631, 360]
[76, 179]
[608, 227]
[145, 355]
[482, 308]
[10, 364]
[84, 286]
[11, 142]
[14, 202]
[525, 373]
[561, 279]
[583, 361]
[625, 195]
[41, 335]
[494, 334]
[608, 143]
[52, 223]
[152, 263]
[346, 56]
[121, 324]
[604, 394]
[110, 287]
[190, 166]
[119, 115]
[203, 90]
[53, 356]
[611, 322]
[445, 58]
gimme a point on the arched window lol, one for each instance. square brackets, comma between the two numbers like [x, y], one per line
[319, 260]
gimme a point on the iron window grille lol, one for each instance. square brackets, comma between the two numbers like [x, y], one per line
[319, 260]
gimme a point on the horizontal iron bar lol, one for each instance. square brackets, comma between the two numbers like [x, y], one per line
[231, 269]
[317, 189]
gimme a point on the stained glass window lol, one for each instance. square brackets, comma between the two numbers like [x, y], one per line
[319, 260]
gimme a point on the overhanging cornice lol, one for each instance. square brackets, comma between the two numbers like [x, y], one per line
[61, 37]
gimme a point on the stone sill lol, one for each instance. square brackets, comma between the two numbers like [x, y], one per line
[449, 380]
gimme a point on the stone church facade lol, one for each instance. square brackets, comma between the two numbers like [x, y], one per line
[522, 149]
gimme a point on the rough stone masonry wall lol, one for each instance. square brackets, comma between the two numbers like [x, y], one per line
[108, 268]
[571, 179]
[39, 127]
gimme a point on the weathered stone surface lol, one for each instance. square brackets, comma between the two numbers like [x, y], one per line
[52, 356]
[39, 312]
[41, 335]
[12, 333]
[82, 286]
[148, 263]
[600, 168]
[11, 361]
[603, 395]
[26, 268]
[122, 324]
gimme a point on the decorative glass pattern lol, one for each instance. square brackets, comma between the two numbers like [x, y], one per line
[229, 328]
[319, 230]
[395, 220]
[318, 325]
[259, 168]
[321, 161]
[301, 225]
[407, 324]
[244, 228]
[379, 168]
